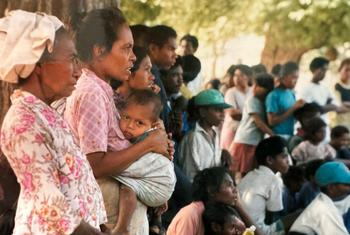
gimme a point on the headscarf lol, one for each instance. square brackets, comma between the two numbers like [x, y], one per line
[24, 36]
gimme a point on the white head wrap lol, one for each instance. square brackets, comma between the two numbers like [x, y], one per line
[23, 39]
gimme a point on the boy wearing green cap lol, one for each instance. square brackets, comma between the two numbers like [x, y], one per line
[324, 215]
[200, 148]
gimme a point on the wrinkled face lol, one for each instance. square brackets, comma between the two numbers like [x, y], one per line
[136, 119]
[233, 226]
[227, 192]
[214, 116]
[174, 80]
[61, 71]
[165, 56]
[240, 79]
[142, 78]
[342, 141]
[345, 73]
[280, 162]
[119, 60]
[320, 73]
[186, 48]
[290, 80]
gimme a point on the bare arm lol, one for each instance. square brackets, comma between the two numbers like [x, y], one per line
[236, 114]
[86, 229]
[329, 107]
[106, 163]
[274, 119]
[246, 218]
[261, 124]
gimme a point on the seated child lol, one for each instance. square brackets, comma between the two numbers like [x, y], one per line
[313, 147]
[151, 178]
[252, 127]
[200, 148]
[340, 141]
[261, 189]
[222, 219]
[303, 115]
[323, 216]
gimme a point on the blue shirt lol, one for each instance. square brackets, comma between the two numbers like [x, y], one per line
[278, 102]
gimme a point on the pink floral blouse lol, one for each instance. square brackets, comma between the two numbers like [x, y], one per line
[58, 188]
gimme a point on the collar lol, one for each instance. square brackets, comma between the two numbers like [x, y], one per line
[26, 97]
[199, 128]
[265, 170]
[98, 81]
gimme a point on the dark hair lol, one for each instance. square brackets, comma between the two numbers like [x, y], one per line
[140, 53]
[276, 70]
[192, 111]
[139, 34]
[343, 63]
[160, 34]
[312, 166]
[191, 39]
[288, 68]
[295, 173]
[269, 147]
[218, 213]
[145, 97]
[313, 125]
[307, 108]
[206, 182]
[231, 70]
[339, 131]
[191, 66]
[100, 27]
[245, 69]
[258, 68]
[164, 73]
[265, 80]
[215, 83]
[317, 63]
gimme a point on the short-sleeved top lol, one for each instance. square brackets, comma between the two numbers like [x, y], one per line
[261, 190]
[58, 188]
[306, 151]
[188, 221]
[248, 132]
[278, 102]
[321, 217]
[342, 94]
[198, 150]
[93, 117]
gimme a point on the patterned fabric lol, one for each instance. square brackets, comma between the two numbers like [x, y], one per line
[58, 188]
[92, 115]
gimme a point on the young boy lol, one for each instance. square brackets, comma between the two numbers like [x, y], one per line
[340, 141]
[252, 127]
[151, 178]
[281, 103]
[261, 189]
[200, 148]
[324, 215]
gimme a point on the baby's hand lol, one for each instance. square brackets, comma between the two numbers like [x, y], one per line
[159, 124]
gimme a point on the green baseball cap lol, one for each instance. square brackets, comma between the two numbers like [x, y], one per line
[211, 97]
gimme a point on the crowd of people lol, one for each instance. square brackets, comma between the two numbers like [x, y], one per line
[112, 132]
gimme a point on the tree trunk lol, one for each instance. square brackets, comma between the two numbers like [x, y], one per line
[278, 52]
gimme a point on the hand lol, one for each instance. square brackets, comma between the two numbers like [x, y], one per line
[159, 142]
[161, 209]
[299, 103]
[159, 124]
[171, 147]
[342, 109]
[155, 88]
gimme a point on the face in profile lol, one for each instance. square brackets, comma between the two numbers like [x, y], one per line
[166, 55]
[142, 78]
[186, 48]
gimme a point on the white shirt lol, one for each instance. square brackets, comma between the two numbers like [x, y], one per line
[321, 217]
[306, 151]
[261, 191]
[198, 151]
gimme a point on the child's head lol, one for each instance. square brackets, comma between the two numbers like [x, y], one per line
[334, 179]
[289, 75]
[191, 66]
[242, 75]
[140, 111]
[262, 85]
[222, 219]
[214, 83]
[319, 67]
[272, 153]
[294, 179]
[214, 185]
[188, 45]
[340, 137]
[344, 70]
[315, 130]
[311, 168]
[307, 112]
[173, 78]
[210, 105]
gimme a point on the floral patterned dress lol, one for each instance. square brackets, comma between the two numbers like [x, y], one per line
[58, 188]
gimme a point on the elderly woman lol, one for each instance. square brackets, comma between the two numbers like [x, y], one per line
[104, 44]
[59, 194]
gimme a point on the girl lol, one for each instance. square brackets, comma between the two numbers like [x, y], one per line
[313, 147]
[235, 96]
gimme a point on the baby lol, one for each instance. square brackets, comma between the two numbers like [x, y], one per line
[151, 178]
